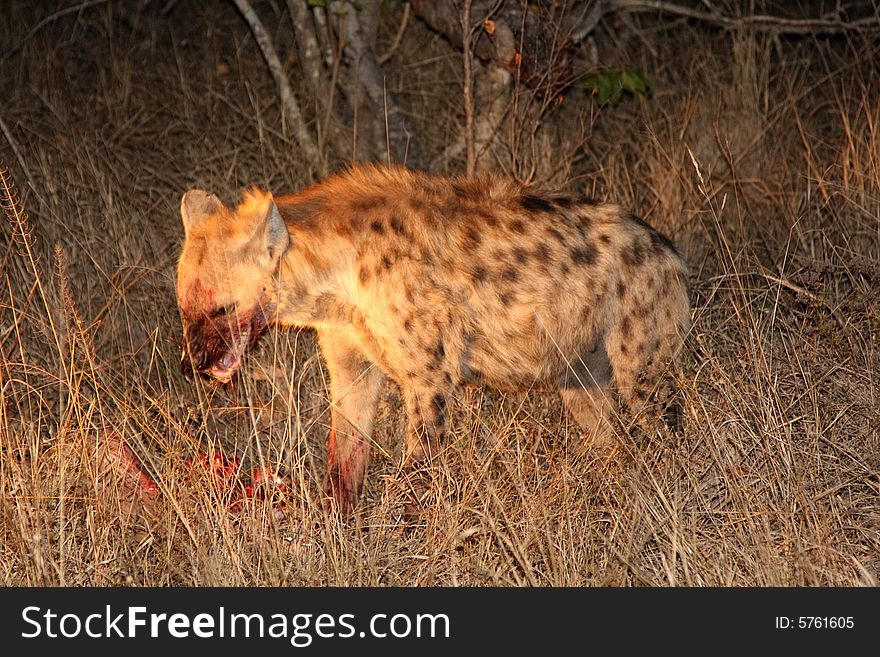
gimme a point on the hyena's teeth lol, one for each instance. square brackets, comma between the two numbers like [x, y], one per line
[229, 362]
[223, 374]
[224, 368]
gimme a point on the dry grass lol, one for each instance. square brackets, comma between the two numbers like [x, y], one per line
[765, 169]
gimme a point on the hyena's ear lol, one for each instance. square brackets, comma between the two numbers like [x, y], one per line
[195, 206]
[275, 234]
[269, 236]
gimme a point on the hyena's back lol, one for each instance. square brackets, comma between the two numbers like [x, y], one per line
[481, 282]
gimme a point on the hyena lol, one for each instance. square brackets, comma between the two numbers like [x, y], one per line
[434, 282]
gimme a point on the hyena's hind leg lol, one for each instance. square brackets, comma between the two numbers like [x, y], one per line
[653, 401]
[643, 358]
[426, 424]
[585, 390]
[355, 384]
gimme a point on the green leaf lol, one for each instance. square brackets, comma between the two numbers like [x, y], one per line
[616, 94]
[634, 82]
[607, 88]
[608, 85]
[318, 3]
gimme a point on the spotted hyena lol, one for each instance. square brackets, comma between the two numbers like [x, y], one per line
[434, 282]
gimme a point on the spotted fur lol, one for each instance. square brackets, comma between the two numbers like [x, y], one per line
[435, 282]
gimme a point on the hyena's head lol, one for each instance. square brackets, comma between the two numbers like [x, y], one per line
[225, 278]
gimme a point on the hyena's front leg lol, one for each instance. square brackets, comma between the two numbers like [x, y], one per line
[355, 384]
[592, 408]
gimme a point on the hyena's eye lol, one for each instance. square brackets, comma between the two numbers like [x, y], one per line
[222, 311]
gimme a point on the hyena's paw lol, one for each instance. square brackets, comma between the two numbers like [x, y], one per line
[417, 492]
[673, 417]
[600, 447]
[340, 493]
[595, 412]
[347, 463]
[659, 416]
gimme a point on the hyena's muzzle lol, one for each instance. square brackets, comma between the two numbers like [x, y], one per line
[213, 345]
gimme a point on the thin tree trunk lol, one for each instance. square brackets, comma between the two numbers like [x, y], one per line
[311, 59]
[307, 45]
[529, 44]
[466, 34]
[400, 137]
[288, 99]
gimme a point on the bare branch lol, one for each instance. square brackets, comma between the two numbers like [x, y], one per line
[521, 40]
[322, 30]
[12, 144]
[588, 23]
[288, 99]
[307, 44]
[50, 18]
[384, 57]
[493, 92]
[784, 282]
[493, 88]
[311, 59]
[834, 25]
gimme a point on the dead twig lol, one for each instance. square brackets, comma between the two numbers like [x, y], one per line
[760, 22]
[312, 61]
[49, 19]
[322, 32]
[14, 146]
[384, 57]
[288, 99]
[492, 93]
[588, 23]
[784, 282]
[307, 45]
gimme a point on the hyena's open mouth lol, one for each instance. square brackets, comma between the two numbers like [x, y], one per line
[216, 348]
[230, 362]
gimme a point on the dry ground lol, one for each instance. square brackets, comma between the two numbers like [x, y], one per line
[760, 156]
